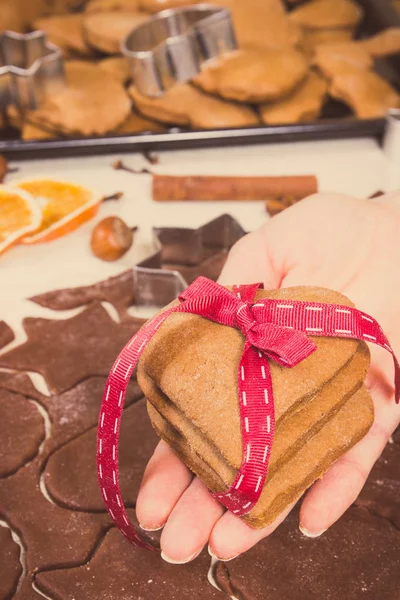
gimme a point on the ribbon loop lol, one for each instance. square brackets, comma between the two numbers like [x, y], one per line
[285, 346]
[245, 320]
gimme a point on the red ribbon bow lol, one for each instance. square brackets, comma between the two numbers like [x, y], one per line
[273, 329]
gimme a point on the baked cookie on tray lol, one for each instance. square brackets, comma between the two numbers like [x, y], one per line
[106, 30]
[254, 76]
[304, 104]
[186, 105]
[93, 103]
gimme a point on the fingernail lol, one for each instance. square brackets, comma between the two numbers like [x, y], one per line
[150, 528]
[211, 553]
[311, 534]
[179, 562]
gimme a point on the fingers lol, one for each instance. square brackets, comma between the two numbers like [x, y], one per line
[164, 481]
[190, 524]
[231, 536]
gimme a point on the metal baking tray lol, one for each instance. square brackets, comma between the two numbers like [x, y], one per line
[334, 124]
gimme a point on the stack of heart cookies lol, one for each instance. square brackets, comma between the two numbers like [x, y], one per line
[189, 374]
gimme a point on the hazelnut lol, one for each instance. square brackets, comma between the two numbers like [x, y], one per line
[111, 239]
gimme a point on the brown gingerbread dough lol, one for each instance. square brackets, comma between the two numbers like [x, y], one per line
[119, 570]
[76, 411]
[380, 494]
[20, 383]
[68, 351]
[51, 534]
[10, 565]
[358, 557]
[191, 358]
[70, 474]
[6, 334]
[21, 432]
[118, 290]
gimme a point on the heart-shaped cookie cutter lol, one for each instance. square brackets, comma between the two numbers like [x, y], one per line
[30, 68]
[170, 47]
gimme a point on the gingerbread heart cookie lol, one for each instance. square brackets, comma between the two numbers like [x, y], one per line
[188, 372]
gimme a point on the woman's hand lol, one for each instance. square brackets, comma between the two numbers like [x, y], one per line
[349, 245]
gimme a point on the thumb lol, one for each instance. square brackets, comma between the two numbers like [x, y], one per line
[250, 261]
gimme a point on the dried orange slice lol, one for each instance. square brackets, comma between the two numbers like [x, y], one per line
[65, 206]
[19, 214]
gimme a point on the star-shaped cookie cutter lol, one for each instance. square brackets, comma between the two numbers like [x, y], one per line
[170, 47]
[30, 68]
[181, 255]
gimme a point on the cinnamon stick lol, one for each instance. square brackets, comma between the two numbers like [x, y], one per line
[167, 188]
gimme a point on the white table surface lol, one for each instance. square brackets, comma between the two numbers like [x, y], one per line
[355, 167]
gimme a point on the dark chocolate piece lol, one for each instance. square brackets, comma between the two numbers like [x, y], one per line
[70, 474]
[68, 351]
[6, 334]
[357, 558]
[119, 571]
[21, 432]
[10, 565]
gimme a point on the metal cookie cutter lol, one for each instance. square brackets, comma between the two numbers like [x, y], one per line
[171, 46]
[391, 142]
[30, 67]
[391, 149]
[181, 255]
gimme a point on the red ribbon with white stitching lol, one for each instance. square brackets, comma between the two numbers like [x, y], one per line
[275, 330]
